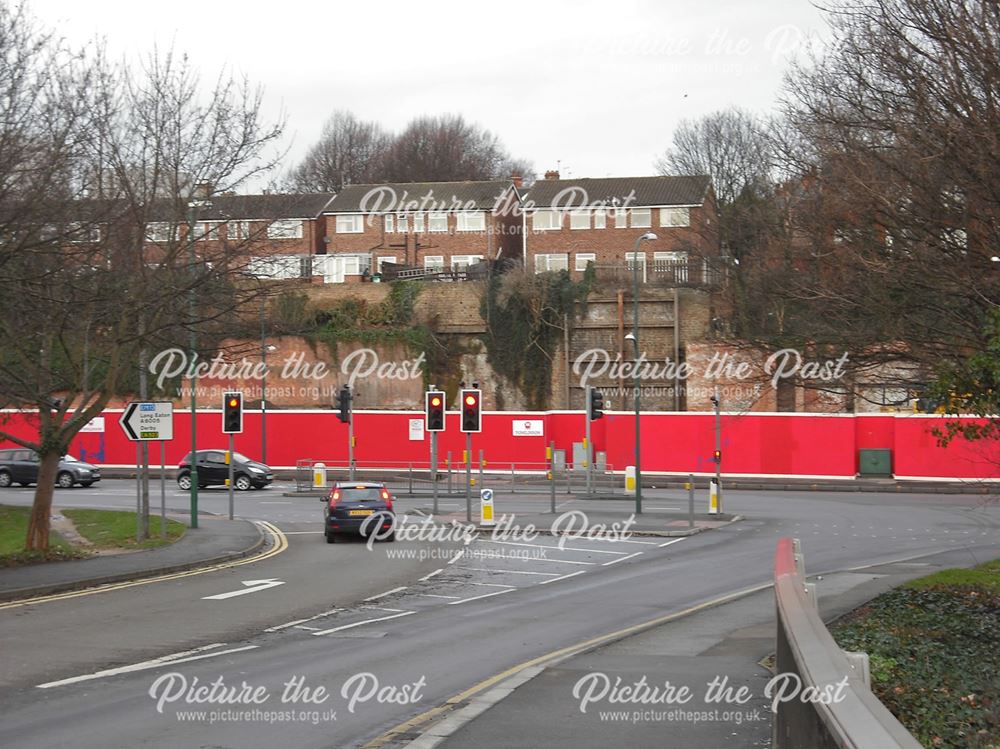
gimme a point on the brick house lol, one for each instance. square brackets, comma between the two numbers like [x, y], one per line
[446, 226]
[569, 223]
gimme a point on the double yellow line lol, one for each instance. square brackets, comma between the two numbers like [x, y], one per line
[396, 733]
[279, 544]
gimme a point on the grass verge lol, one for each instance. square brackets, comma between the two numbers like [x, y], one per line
[934, 649]
[14, 528]
[112, 529]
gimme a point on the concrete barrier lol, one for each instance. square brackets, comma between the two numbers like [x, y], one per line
[853, 716]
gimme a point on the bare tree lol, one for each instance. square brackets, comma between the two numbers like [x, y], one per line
[350, 152]
[139, 145]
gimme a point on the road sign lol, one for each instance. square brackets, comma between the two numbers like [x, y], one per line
[144, 422]
[486, 507]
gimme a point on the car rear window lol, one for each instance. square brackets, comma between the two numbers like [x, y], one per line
[356, 494]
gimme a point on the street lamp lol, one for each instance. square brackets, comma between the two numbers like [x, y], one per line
[265, 348]
[647, 237]
[192, 217]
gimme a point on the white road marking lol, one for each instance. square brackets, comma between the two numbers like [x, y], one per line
[672, 541]
[387, 593]
[310, 629]
[558, 561]
[435, 595]
[509, 572]
[302, 621]
[621, 559]
[362, 623]
[492, 585]
[167, 660]
[563, 577]
[379, 608]
[485, 595]
[458, 556]
[435, 572]
[255, 587]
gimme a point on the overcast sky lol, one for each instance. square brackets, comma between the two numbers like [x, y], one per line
[593, 87]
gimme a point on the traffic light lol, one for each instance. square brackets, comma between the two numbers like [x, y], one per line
[717, 457]
[344, 404]
[434, 407]
[472, 416]
[232, 413]
[596, 406]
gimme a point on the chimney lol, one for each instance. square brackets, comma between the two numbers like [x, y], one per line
[552, 174]
[517, 179]
[203, 191]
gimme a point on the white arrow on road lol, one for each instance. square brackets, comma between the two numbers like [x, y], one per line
[253, 586]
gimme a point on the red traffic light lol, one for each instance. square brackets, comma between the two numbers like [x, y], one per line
[435, 401]
[470, 400]
[233, 402]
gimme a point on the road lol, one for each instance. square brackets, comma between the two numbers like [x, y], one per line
[84, 671]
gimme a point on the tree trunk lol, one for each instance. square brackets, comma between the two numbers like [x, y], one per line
[41, 510]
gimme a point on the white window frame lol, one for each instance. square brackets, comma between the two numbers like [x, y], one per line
[642, 218]
[677, 217]
[434, 221]
[286, 228]
[402, 224]
[237, 230]
[600, 219]
[579, 220]
[546, 219]
[390, 224]
[470, 221]
[621, 218]
[83, 234]
[351, 265]
[457, 261]
[551, 261]
[208, 230]
[418, 223]
[159, 231]
[350, 223]
[434, 261]
[581, 259]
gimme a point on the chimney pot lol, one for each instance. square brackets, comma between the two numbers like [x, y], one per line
[552, 174]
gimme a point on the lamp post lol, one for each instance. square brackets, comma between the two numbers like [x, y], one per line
[648, 236]
[193, 207]
[264, 349]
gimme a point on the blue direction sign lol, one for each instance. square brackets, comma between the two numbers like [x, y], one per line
[144, 422]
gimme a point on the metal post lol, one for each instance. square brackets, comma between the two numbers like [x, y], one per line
[138, 491]
[587, 394]
[511, 478]
[718, 446]
[691, 500]
[263, 386]
[231, 488]
[411, 478]
[449, 473]
[552, 474]
[144, 469]
[480, 469]
[350, 444]
[468, 477]
[163, 489]
[193, 381]
[635, 371]
[434, 468]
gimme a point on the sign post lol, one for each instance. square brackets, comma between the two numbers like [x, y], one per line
[147, 422]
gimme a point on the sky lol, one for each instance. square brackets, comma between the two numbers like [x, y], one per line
[593, 89]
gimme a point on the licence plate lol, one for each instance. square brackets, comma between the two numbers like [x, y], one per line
[360, 512]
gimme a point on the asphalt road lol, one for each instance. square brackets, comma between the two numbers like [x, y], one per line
[425, 636]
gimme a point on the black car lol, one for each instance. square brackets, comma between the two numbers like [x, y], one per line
[21, 466]
[214, 471]
[359, 508]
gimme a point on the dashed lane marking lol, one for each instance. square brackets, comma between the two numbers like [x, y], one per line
[621, 559]
[362, 623]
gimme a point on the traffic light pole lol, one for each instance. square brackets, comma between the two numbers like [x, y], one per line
[586, 440]
[350, 445]
[468, 477]
[230, 461]
[434, 468]
[718, 446]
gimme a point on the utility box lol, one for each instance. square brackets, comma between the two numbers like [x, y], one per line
[875, 463]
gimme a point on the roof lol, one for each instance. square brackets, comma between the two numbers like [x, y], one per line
[264, 207]
[637, 191]
[419, 196]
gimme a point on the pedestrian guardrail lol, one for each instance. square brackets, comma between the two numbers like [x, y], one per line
[851, 716]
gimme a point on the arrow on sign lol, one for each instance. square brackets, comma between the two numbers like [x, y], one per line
[253, 586]
[124, 421]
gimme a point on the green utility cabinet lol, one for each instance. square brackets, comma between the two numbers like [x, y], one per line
[875, 463]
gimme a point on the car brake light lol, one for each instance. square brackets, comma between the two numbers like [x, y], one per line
[388, 499]
[334, 498]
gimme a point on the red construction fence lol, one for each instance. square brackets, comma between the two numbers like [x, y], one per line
[753, 444]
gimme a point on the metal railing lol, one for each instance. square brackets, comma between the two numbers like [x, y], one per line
[853, 716]
[697, 273]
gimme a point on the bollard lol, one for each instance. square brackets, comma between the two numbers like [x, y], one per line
[629, 481]
[411, 479]
[449, 471]
[713, 497]
[319, 476]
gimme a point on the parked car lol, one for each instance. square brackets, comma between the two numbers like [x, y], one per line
[350, 506]
[21, 466]
[214, 471]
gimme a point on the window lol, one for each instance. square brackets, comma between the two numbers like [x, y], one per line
[382, 260]
[582, 258]
[209, 230]
[402, 224]
[552, 261]
[461, 262]
[237, 230]
[673, 265]
[630, 259]
[434, 262]
[78, 233]
[471, 222]
[600, 219]
[390, 224]
[285, 229]
[675, 217]
[350, 223]
[159, 231]
[277, 266]
[579, 220]
[621, 220]
[546, 220]
[418, 223]
[351, 265]
[437, 222]
[642, 218]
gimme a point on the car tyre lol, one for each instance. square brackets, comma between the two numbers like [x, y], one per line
[391, 538]
[64, 480]
[184, 482]
[330, 537]
[5, 479]
[242, 482]
[85, 484]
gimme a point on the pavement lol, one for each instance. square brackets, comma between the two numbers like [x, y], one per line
[216, 540]
[573, 702]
